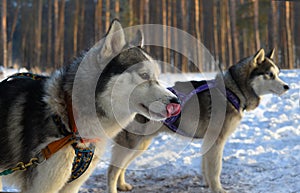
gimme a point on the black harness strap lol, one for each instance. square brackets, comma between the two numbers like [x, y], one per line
[231, 97]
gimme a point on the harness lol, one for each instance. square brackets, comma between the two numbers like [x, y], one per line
[231, 97]
[83, 155]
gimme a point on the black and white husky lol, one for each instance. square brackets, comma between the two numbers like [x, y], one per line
[38, 133]
[201, 115]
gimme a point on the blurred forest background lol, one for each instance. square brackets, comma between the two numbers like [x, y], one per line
[45, 34]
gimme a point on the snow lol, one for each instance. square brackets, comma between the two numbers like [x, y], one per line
[262, 155]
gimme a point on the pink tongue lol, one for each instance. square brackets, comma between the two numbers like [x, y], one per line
[173, 109]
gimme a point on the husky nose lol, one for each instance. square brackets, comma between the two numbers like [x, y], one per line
[286, 87]
[175, 100]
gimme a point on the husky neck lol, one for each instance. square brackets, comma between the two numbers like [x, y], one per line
[111, 106]
[61, 83]
[237, 79]
[110, 110]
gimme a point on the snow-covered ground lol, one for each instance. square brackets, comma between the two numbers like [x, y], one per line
[262, 156]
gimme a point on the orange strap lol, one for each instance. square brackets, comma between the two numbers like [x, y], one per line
[53, 147]
[72, 123]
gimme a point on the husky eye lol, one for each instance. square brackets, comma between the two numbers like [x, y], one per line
[271, 75]
[145, 76]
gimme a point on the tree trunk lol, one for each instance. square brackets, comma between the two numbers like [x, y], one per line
[234, 34]
[4, 32]
[146, 11]
[147, 17]
[283, 36]
[25, 40]
[215, 32]
[117, 9]
[59, 16]
[61, 32]
[156, 13]
[273, 29]
[98, 20]
[107, 14]
[9, 53]
[175, 36]
[184, 21]
[131, 13]
[164, 22]
[198, 54]
[229, 37]
[256, 25]
[11, 36]
[297, 31]
[290, 42]
[38, 32]
[49, 35]
[197, 19]
[169, 23]
[201, 19]
[223, 34]
[75, 28]
[81, 25]
[141, 11]
[56, 34]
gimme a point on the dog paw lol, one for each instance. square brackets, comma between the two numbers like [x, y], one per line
[125, 187]
[204, 185]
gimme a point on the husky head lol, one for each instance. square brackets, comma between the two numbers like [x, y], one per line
[255, 76]
[264, 78]
[129, 83]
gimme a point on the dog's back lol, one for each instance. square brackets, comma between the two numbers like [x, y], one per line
[23, 119]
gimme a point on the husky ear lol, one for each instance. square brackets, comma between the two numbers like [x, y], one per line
[271, 54]
[114, 40]
[139, 39]
[259, 57]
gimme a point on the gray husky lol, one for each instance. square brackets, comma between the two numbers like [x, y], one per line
[244, 83]
[41, 146]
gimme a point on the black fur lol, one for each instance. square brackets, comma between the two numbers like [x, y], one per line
[33, 120]
[126, 60]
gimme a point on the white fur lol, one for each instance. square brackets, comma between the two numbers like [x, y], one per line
[114, 41]
[263, 86]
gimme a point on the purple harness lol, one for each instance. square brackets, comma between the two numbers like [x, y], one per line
[231, 97]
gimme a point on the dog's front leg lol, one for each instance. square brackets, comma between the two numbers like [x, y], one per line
[142, 147]
[212, 166]
[74, 186]
[51, 175]
[113, 174]
[120, 155]
[121, 158]
[1, 188]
